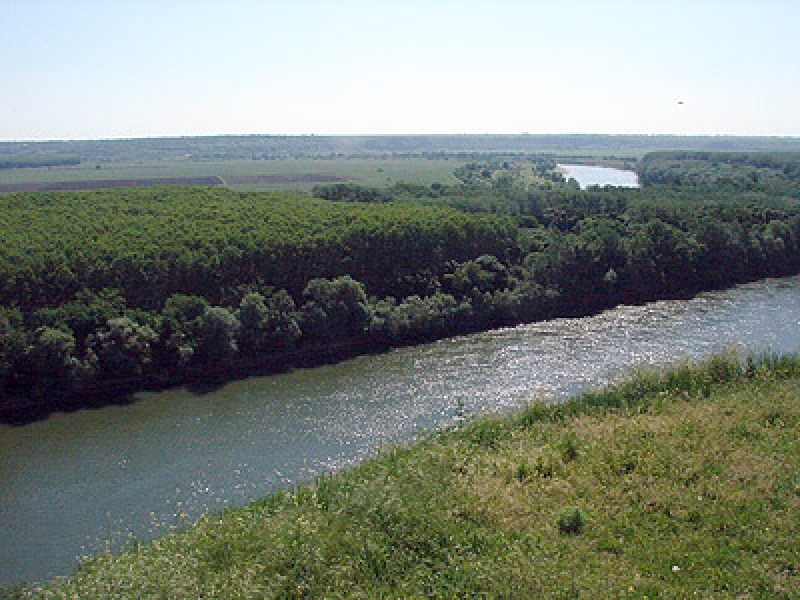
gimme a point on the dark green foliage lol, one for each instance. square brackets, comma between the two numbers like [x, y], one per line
[484, 274]
[267, 323]
[774, 173]
[179, 328]
[123, 348]
[349, 192]
[85, 314]
[222, 276]
[571, 520]
[417, 318]
[50, 361]
[254, 322]
[150, 244]
[13, 343]
[334, 309]
[215, 337]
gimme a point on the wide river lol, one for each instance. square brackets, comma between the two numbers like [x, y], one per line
[77, 482]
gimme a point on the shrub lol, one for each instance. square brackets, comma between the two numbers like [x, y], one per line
[571, 520]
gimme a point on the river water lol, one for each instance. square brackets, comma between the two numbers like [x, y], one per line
[76, 482]
[586, 176]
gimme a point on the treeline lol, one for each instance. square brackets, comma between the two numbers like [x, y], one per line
[170, 283]
[148, 287]
[534, 192]
[505, 184]
[777, 174]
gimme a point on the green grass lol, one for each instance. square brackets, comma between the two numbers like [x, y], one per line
[677, 483]
[365, 171]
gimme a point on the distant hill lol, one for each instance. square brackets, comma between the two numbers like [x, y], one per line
[282, 146]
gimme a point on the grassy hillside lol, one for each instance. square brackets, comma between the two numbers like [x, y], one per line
[673, 484]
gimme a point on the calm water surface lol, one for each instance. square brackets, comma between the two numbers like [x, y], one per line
[586, 176]
[76, 482]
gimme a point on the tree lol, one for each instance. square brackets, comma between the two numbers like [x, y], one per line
[661, 258]
[484, 274]
[179, 327]
[267, 324]
[216, 337]
[50, 361]
[123, 348]
[282, 327]
[12, 346]
[253, 317]
[86, 313]
[334, 308]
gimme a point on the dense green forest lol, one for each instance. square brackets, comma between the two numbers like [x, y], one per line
[122, 289]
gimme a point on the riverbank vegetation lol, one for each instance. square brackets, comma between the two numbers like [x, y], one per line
[673, 483]
[108, 292]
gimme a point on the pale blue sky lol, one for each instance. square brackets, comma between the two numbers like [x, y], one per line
[128, 68]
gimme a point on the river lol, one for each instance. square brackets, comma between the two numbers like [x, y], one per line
[586, 176]
[77, 482]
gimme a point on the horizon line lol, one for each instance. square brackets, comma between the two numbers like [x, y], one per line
[387, 135]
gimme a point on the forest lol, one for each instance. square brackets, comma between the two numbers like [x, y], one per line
[113, 291]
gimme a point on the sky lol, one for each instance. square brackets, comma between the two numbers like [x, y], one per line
[87, 69]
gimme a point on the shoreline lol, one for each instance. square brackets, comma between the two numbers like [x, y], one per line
[19, 410]
[463, 503]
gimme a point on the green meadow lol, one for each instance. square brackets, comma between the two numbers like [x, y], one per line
[682, 482]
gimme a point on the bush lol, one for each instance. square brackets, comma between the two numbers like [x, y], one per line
[571, 520]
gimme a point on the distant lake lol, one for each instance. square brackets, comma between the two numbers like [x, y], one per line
[586, 176]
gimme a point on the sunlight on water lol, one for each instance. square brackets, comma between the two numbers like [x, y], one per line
[76, 482]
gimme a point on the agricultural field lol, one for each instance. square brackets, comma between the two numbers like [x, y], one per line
[298, 163]
[289, 174]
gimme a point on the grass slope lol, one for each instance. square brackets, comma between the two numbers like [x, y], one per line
[672, 484]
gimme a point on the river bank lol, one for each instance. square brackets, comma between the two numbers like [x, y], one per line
[17, 409]
[22, 410]
[673, 482]
[79, 483]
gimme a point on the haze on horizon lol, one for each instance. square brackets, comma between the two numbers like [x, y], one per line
[84, 69]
